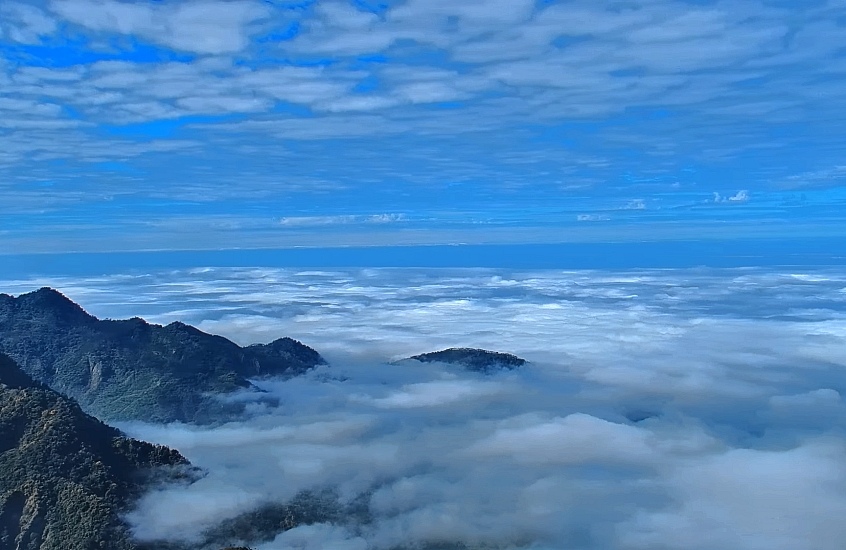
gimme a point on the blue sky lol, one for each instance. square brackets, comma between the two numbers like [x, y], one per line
[169, 125]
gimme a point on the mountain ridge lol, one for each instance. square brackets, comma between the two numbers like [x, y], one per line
[65, 476]
[131, 369]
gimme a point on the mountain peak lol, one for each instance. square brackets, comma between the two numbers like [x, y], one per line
[297, 356]
[49, 301]
[179, 326]
[132, 370]
[287, 345]
[475, 359]
[50, 295]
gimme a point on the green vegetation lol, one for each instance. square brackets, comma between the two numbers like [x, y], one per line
[478, 360]
[263, 524]
[134, 370]
[65, 477]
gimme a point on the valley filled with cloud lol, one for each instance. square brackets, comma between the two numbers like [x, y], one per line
[659, 409]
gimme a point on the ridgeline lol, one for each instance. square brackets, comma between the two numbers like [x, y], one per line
[65, 477]
[133, 370]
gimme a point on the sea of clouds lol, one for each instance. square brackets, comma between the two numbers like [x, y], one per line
[674, 409]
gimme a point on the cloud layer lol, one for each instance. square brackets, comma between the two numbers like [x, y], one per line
[696, 409]
[257, 111]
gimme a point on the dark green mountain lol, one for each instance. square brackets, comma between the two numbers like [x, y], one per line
[477, 360]
[65, 477]
[134, 370]
[263, 524]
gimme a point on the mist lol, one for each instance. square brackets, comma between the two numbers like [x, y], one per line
[678, 409]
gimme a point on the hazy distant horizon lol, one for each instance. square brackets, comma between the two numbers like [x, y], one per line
[735, 253]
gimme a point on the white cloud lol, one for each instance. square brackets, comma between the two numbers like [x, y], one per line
[582, 70]
[743, 497]
[592, 217]
[740, 196]
[635, 204]
[816, 178]
[662, 409]
[436, 394]
[345, 219]
[386, 218]
[575, 439]
[208, 27]
[316, 537]
[423, 94]
[359, 103]
[306, 221]
[24, 23]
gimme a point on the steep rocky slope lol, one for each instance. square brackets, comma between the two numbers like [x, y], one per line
[134, 370]
[65, 477]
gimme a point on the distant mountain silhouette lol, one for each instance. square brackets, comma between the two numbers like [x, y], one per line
[65, 477]
[134, 370]
[474, 359]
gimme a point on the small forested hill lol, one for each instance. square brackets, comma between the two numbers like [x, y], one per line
[134, 370]
[478, 360]
[65, 477]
